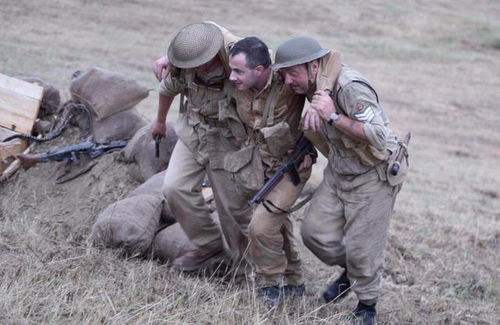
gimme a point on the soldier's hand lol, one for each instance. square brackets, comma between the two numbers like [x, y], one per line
[306, 163]
[312, 120]
[161, 68]
[159, 128]
[323, 104]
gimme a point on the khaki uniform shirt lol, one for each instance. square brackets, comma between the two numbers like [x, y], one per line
[280, 131]
[354, 97]
[197, 126]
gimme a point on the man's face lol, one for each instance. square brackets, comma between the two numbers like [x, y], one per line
[241, 76]
[297, 77]
[208, 67]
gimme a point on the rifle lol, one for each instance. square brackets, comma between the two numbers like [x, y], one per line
[303, 147]
[401, 154]
[71, 153]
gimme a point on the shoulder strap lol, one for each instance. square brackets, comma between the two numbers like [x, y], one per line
[268, 114]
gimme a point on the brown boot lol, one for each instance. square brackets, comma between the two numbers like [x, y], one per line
[195, 259]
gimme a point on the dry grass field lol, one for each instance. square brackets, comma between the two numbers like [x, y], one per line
[436, 66]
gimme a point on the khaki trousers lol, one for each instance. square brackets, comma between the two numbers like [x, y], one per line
[272, 244]
[182, 191]
[272, 248]
[346, 225]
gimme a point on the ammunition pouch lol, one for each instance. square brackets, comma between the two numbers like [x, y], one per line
[228, 114]
[278, 138]
[246, 169]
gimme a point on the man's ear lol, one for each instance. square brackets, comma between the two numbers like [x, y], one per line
[314, 67]
[259, 69]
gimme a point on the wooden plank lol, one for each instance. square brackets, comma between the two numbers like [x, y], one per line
[4, 133]
[28, 89]
[11, 148]
[19, 104]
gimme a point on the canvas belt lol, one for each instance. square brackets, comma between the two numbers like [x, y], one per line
[213, 122]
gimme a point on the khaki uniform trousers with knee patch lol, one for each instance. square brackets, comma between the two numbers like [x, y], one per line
[346, 225]
[182, 191]
[272, 243]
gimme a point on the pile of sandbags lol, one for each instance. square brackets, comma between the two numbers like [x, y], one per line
[170, 243]
[129, 224]
[111, 97]
[140, 153]
[141, 225]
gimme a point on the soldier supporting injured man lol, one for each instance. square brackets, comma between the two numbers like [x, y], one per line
[348, 219]
[199, 58]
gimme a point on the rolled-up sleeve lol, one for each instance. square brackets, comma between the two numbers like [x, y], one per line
[169, 87]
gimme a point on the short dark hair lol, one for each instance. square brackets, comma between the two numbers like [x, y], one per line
[256, 51]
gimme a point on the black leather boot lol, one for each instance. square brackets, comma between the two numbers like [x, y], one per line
[338, 289]
[365, 314]
[271, 296]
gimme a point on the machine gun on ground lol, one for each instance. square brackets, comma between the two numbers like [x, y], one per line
[70, 153]
[72, 156]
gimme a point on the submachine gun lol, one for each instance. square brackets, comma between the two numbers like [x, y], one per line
[304, 147]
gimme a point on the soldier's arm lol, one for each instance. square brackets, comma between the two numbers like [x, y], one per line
[362, 106]
[362, 119]
[324, 105]
[168, 89]
[351, 127]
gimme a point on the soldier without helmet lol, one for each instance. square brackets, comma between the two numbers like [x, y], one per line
[270, 113]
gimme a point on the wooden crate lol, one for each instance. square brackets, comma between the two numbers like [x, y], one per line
[19, 104]
[10, 148]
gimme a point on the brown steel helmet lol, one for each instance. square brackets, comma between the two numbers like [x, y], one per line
[298, 50]
[195, 45]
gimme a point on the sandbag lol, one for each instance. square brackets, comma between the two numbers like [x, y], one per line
[106, 92]
[120, 126]
[153, 187]
[171, 243]
[51, 98]
[140, 153]
[129, 224]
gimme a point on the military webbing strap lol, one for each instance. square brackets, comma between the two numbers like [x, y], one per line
[268, 114]
[182, 103]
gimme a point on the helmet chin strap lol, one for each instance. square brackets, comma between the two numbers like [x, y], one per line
[310, 78]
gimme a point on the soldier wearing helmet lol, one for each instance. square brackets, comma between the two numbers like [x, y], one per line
[347, 221]
[199, 70]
